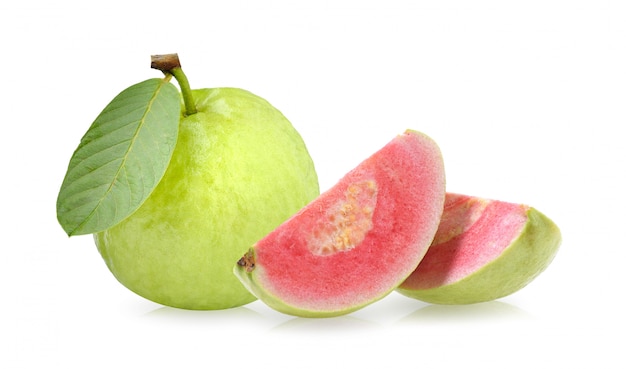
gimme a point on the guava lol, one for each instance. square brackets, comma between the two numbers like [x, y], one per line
[239, 169]
[357, 241]
[484, 249]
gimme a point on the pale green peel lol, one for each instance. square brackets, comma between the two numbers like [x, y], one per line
[522, 261]
[238, 171]
[249, 278]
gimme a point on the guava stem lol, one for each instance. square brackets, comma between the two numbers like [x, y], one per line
[170, 64]
[183, 82]
[247, 261]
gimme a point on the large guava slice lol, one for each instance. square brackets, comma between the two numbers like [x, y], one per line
[358, 240]
[484, 250]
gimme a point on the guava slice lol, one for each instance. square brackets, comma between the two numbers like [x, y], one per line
[357, 241]
[484, 249]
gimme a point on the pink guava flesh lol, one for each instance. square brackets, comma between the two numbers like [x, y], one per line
[473, 232]
[357, 241]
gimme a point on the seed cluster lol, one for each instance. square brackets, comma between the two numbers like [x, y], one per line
[346, 223]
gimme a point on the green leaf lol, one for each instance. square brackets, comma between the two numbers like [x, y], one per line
[121, 158]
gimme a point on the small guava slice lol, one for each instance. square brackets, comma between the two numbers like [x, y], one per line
[358, 240]
[484, 249]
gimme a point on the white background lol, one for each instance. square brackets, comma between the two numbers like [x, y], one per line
[525, 98]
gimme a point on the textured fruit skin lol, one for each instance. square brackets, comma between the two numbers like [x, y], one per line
[239, 169]
[520, 262]
[357, 241]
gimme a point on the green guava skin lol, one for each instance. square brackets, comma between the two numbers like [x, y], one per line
[239, 170]
[519, 264]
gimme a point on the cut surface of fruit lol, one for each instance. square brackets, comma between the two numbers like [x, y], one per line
[357, 241]
[483, 250]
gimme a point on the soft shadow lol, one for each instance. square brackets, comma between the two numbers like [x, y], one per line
[170, 314]
[334, 325]
[492, 311]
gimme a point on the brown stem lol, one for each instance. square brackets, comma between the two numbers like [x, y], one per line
[165, 63]
[170, 64]
[247, 261]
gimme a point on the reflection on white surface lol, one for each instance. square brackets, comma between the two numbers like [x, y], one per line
[394, 310]
[242, 316]
[491, 311]
[345, 323]
[166, 312]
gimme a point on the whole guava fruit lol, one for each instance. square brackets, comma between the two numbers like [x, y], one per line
[239, 169]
